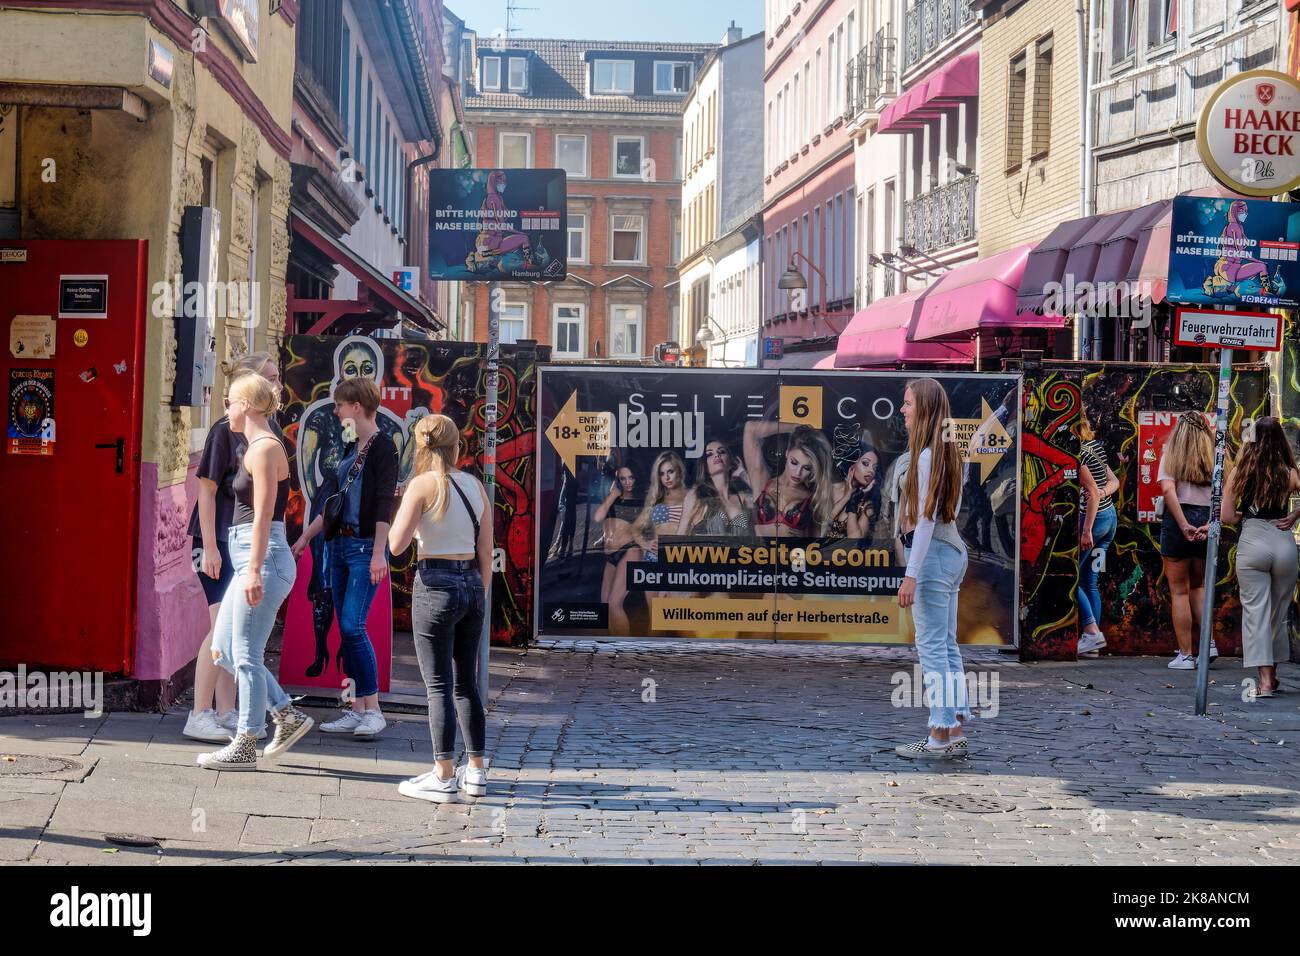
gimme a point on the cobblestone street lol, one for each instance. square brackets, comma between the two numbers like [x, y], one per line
[745, 754]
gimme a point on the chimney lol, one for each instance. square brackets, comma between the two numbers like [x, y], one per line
[733, 35]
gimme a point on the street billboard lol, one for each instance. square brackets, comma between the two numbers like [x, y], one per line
[498, 225]
[756, 504]
[1234, 252]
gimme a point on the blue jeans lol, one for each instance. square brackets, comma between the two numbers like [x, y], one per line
[1103, 533]
[241, 631]
[349, 564]
[935, 615]
[447, 607]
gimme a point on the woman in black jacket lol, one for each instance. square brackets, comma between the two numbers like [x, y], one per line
[358, 557]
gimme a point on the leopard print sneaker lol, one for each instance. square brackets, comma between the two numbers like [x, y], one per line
[291, 725]
[239, 754]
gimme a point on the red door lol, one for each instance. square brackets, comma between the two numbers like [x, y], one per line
[69, 509]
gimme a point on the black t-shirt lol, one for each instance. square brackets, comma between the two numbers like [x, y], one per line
[223, 455]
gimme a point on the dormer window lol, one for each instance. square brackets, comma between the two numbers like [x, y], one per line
[612, 76]
[492, 73]
[517, 77]
[673, 78]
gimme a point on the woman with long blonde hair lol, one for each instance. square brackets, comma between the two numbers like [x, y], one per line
[801, 499]
[1185, 472]
[664, 504]
[445, 510]
[936, 565]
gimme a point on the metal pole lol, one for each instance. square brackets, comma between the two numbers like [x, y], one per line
[1212, 544]
[490, 476]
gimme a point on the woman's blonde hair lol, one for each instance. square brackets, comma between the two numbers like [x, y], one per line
[929, 421]
[261, 395]
[1189, 452]
[1085, 427]
[248, 362]
[437, 445]
[821, 489]
[657, 492]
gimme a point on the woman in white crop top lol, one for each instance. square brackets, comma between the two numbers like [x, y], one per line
[936, 563]
[446, 511]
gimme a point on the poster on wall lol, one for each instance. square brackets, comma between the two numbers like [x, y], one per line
[1234, 252]
[1154, 428]
[756, 504]
[31, 411]
[495, 225]
[414, 378]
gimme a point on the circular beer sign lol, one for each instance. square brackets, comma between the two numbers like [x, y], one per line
[1249, 133]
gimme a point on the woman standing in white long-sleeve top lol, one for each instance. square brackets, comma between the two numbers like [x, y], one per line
[936, 565]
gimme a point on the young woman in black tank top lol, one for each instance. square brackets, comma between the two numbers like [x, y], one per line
[264, 573]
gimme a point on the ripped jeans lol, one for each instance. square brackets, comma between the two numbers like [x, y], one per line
[934, 614]
[241, 632]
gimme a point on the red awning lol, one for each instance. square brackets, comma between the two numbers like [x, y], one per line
[979, 295]
[954, 81]
[879, 336]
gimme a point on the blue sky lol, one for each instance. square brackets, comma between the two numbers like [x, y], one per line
[681, 21]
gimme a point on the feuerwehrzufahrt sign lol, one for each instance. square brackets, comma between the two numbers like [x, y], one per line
[1249, 133]
[1212, 329]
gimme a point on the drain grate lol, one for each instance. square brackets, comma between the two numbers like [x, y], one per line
[27, 765]
[968, 803]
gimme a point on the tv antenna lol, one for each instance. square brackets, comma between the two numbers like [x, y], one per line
[512, 7]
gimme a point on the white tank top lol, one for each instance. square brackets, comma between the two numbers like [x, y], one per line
[453, 533]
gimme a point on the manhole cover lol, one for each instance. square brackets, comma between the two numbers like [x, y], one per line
[22, 765]
[968, 803]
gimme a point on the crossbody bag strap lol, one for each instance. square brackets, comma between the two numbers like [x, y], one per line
[451, 479]
[357, 465]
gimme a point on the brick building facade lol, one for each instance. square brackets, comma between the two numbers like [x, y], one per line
[610, 114]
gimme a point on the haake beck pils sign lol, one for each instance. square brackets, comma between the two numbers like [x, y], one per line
[1249, 133]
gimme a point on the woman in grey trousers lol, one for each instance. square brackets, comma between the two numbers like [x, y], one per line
[1257, 494]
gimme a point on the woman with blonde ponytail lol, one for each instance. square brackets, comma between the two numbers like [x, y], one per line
[445, 510]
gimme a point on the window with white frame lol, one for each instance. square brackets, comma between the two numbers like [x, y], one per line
[491, 78]
[571, 153]
[625, 332]
[567, 334]
[626, 239]
[612, 76]
[515, 150]
[577, 237]
[513, 319]
[517, 77]
[673, 77]
[628, 155]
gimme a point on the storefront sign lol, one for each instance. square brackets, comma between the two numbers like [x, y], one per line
[666, 506]
[1234, 252]
[492, 225]
[31, 411]
[32, 337]
[83, 297]
[1210, 328]
[1249, 133]
[406, 279]
[773, 348]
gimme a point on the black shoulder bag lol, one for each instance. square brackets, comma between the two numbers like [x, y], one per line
[332, 511]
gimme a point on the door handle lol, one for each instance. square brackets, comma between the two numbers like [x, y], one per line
[120, 447]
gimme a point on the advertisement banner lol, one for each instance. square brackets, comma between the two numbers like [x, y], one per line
[1234, 252]
[758, 504]
[498, 225]
[31, 411]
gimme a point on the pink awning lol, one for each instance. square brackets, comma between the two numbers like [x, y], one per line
[879, 335]
[954, 81]
[978, 295]
[827, 362]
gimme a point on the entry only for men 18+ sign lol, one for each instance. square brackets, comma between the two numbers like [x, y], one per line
[1211, 328]
[1248, 133]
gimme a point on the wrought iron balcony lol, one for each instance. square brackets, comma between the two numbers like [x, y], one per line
[942, 217]
[931, 23]
[871, 75]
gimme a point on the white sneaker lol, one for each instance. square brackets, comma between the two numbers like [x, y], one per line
[230, 719]
[1182, 662]
[206, 727]
[427, 786]
[344, 725]
[1214, 651]
[473, 780]
[1090, 644]
[371, 724]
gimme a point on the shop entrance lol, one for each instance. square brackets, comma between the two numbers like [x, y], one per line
[70, 467]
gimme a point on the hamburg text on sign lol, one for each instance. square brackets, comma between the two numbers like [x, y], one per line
[1248, 130]
[1209, 328]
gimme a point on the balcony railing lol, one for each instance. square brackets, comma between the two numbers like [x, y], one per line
[942, 217]
[871, 75]
[930, 24]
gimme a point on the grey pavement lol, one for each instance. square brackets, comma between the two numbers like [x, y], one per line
[685, 753]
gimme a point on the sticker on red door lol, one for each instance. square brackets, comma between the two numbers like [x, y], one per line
[31, 411]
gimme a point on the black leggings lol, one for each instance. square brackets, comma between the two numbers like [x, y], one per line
[447, 619]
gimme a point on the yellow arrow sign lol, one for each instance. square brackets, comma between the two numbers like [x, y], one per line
[981, 441]
[573, 433]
